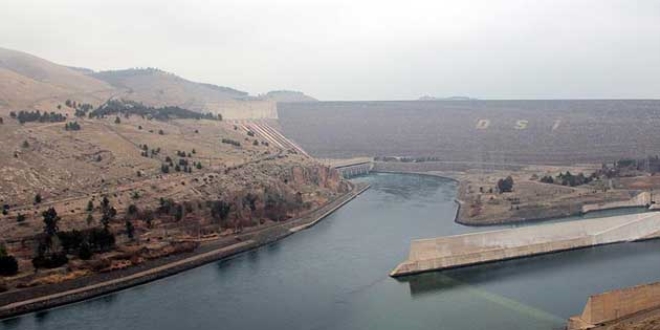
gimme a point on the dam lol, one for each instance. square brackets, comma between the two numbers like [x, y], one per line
[484, 247]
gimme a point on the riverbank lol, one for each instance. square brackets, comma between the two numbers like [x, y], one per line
[481, 204]
[22, 301]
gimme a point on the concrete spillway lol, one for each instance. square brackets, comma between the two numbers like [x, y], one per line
[476, 248]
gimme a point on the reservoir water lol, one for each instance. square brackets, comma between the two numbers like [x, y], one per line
[334, 276]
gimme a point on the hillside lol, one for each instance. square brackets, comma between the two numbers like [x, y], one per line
[134, 160]
[170, 178]
[289, 96]
[159, 88]
[29, 81]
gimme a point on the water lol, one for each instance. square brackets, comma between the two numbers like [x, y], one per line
[334, 276]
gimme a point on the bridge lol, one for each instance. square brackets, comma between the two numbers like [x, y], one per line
[477, 248]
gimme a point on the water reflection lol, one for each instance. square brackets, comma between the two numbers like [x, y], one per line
[11, 323]
[41, 316]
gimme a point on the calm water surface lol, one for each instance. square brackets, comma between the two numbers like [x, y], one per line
[334, 276]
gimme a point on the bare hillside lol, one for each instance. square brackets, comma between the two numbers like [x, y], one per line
[289, 96]
[160, 88]
[29, 81]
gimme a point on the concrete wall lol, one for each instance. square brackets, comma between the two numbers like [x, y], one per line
[469, 249]
[615, 304]
[641, 200]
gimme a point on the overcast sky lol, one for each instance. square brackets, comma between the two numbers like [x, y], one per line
[359, 50]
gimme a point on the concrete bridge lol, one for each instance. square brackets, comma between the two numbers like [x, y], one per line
[477, 248]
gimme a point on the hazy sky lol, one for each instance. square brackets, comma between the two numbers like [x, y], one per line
[343, 50]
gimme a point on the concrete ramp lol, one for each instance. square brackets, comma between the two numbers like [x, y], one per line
[475, 248]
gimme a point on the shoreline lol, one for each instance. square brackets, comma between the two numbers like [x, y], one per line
[459, 203]
[105, 283]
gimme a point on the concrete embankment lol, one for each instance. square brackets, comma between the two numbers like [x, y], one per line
[95, 285]
[615, 305]
[476, 248]
[642, 199]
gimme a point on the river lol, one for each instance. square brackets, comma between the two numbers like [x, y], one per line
[334, 276]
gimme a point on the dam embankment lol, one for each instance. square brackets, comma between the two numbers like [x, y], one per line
[478, 248]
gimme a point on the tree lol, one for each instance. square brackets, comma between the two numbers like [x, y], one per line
[8, 265]
[90, 206]
[117, 120]
[161, 132]
[148, 217]
[505, 185]
[132, 209]
[130, 230]
[547, 179]
[50, 222]
[20, 218]
[199, 165]
[178, 213]
[37, 198]
[90, 219]
[105, 203]
[26, 144]
[84, 252]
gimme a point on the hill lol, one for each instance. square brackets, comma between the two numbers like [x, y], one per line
[450, 98]
[159, 88]
[289, 96]
[134, 160]
[29, 81]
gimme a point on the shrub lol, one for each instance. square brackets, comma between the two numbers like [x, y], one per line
[50, 261]
[84, 253]
[8, 265]
[101, 240]
[70, 240]
[505, 185]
